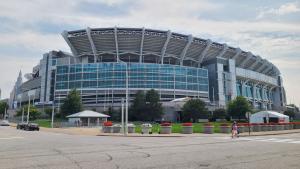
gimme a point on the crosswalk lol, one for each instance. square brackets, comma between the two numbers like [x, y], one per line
[265, 139]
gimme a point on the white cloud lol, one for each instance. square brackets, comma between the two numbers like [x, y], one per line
[177, 15]
[282, 10]
[34, 41]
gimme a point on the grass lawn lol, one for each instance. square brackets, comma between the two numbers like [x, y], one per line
[176, 127]
[45, 122]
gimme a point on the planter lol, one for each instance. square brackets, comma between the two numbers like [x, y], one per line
[247, 128]
[131, 128]
[241, 129]
[146, 128]
[269, 127]
[225, 129]
[274, 127]
[263, 127]
[208, 129]
[286, 126]
[165, 129]
[107, 129]
[187, 130]
[256, 128]
[291, 126]
[116, 128]
[297, 125]
[280, 127]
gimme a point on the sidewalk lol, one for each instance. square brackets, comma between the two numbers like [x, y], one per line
[98, 132]
[265, 133]
[73, 131]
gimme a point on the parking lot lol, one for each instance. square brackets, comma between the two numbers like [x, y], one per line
[41, 149]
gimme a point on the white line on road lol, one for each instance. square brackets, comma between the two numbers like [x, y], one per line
[9, 138]
[262, 139]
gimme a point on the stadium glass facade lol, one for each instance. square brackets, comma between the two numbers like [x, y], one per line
[141, 76]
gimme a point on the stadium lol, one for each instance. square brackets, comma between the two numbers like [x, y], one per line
[176, 65]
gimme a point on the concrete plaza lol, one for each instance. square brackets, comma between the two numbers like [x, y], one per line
[26, 149]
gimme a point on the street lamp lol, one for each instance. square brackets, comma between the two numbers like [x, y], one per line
[29, 94]
[126, 107]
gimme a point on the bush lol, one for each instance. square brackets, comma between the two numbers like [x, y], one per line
[48, 111]
[107, 123]
[33, 112]
[187, 124]
[219, 114]
[165, 124]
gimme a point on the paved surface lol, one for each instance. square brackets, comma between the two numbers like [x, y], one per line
[26, 149]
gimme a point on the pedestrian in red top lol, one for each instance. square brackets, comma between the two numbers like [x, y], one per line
[234, 129]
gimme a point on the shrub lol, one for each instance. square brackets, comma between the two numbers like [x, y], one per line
[208, 124]
[224, 125]
[107, 123]
[165, 124]
[187, 124]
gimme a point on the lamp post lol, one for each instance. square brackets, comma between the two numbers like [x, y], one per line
[126, 104]
[29, 94]
[52, 115]
[122, 115]
[28, 108]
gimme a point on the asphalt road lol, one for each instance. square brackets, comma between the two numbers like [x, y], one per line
[45, 150]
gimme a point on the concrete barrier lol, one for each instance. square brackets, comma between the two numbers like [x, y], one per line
[187, 130]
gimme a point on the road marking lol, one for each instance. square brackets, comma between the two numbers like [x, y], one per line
[9, 138]
[262, 139]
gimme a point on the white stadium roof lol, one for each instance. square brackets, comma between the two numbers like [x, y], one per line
[164, 45]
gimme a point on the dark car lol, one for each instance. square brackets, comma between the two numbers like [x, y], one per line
[28, 126]
[21, 126]
[32, 127]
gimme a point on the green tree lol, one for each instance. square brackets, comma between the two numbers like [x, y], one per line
[137, 108]
[154, 108]
[193, 110]
[115, 115]
[146, 107]
[219, 114]
[238, 107]
[291, 114]
[71, 104]
[34, 113]
[3, 106]
[48, 111]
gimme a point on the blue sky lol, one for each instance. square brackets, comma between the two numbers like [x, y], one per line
[269, 28]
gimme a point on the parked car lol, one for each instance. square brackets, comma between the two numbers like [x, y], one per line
[32, 127]
[21, 126]
[28, 126]
[4, 123]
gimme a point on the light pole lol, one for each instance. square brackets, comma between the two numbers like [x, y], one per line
[122, 116]
[126, 107]
[22, 114]
[52, 115]
[126, 111]
[28, 108]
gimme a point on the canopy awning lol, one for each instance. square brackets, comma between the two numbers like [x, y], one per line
[88, 113]
[259, 116]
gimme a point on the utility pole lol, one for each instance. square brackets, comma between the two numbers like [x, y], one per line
[5, 114]
[122, 116]
[52, 115]
[23, 115]
[28, 109]
[126, 112]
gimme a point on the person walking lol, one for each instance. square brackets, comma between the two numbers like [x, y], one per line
[234, 130]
